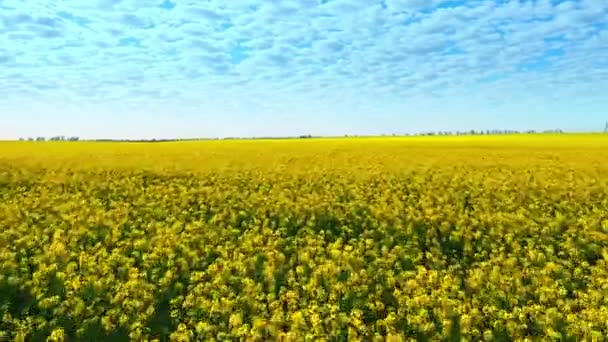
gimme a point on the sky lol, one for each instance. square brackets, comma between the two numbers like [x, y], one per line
[195, 68]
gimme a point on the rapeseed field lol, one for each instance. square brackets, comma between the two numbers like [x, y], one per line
[493, 238]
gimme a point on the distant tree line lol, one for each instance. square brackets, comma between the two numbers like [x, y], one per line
[490, 132]
[56, 138]
[308, 136]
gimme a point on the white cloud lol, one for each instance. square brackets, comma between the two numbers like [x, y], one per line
[288, 54]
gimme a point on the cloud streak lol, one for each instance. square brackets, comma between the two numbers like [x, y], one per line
[399, 65]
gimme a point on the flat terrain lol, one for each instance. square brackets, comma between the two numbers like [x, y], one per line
[475, 237]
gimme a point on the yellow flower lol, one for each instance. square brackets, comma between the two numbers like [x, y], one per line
[235, 320]
[57, 335]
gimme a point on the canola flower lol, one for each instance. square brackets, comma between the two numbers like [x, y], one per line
[398, 239]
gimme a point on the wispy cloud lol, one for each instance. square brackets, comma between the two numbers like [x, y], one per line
[391, 65]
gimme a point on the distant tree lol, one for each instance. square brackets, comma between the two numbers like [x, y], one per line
[30, 139]
[21, 139]
[74, 139]
[41, 139]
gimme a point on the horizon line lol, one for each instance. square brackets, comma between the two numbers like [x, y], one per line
[63, 138]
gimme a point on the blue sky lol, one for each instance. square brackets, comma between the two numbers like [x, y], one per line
[195, 68]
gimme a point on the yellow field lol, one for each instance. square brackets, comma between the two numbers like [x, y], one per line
[387, 153]
[478, 237]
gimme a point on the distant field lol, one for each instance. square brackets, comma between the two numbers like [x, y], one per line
[481, 237]
[389, 153]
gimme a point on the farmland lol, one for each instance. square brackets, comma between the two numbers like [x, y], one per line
[413, 238]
